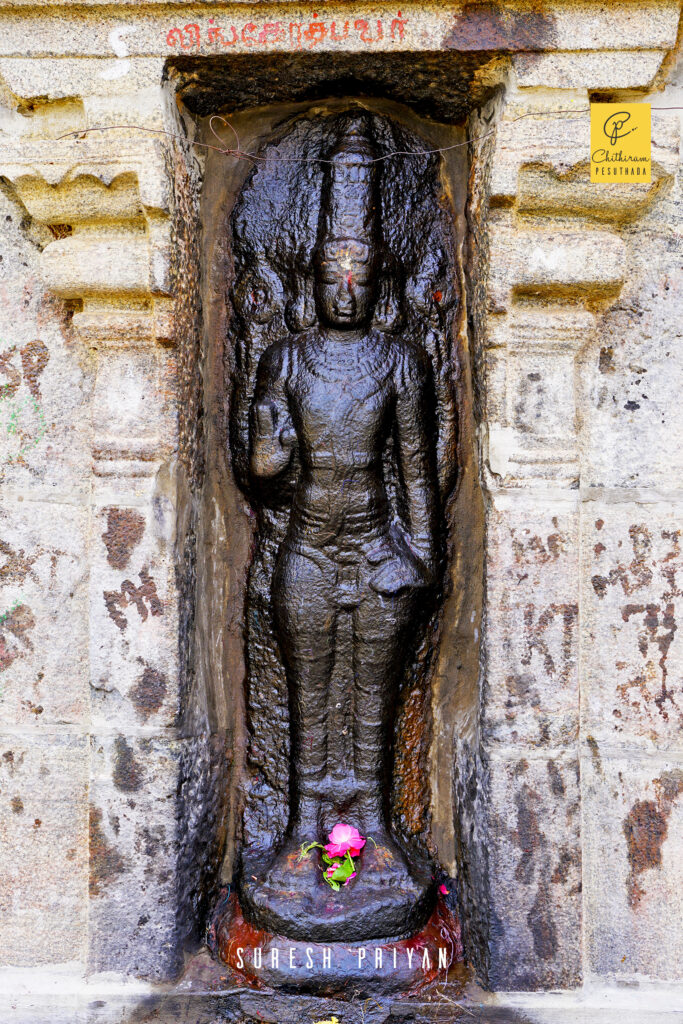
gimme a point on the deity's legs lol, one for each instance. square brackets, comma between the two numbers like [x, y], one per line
[379, 624]
[289, 893]
[306, 623]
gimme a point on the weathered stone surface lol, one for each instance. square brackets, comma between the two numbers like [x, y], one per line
[62, 79]
[632, 659]
[531, 631]
[133, 624]
[531, 402]
[541, 165]
[629, 385]
[633, 871]
[133, 424]
[44, 848]
[102, 264]
[625, 70]
[534, 852]
[44, 383]
[133, 856]
[550, 262]
[647, 24]
[43, 621]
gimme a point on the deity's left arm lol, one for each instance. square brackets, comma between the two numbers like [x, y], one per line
[415, 443]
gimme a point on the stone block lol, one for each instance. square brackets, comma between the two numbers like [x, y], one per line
[126, 104]
[632, 655]
[625, 69]
[133, 856]
[129, 403]
[98, 263]
[43, 614]
[549, 263]
[633, 870]
[75, 202]
[541, 163]
[531, 630]
[541, 394]
[99, 156]
[623, 25]
[534, 854]
[44, 849]
[530, 391]
[645, 25]
[51, 79]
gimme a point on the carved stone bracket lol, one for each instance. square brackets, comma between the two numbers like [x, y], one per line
[107, 200]
[554, 241]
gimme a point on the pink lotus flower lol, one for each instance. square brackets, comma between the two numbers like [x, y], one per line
[443, 890]
[344, 839]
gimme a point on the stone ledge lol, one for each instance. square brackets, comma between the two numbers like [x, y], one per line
[616, 69]
[640, 24]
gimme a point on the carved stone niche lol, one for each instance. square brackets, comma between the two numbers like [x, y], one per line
[338, 455]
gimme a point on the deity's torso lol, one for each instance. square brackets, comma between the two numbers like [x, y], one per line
[340, 397]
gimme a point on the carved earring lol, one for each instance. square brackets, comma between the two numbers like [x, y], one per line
[300, 311]
[387, 310]
[257, 295]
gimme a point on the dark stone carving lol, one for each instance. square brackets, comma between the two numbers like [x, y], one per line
[343, 439]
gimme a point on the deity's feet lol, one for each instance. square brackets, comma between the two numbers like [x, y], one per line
[389, 898]
[291, 872]
[383, 865]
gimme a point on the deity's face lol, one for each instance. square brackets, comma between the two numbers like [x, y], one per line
[345, 283]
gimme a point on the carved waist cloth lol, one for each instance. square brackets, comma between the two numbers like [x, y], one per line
[343, 561]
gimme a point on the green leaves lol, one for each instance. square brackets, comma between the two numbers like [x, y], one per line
[339, 870]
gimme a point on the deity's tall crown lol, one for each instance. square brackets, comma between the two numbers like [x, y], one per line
[350, 209]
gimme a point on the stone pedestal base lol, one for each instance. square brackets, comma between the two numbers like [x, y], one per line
[263, 960]
[392, 897]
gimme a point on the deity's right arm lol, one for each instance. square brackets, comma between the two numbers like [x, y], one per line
[271, 433]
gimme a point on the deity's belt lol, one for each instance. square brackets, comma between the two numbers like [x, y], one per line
[341, 461]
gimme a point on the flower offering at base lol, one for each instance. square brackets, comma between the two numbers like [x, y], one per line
[345, 843]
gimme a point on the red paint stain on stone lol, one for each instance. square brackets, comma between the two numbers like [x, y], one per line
[125, 528]
[34, 358]
[18, 622]
[16, 565]
[542, 926]
[106, 863]
[645, 829]
[127, 774]
[149, 692]
[528, 834]
[130, 594]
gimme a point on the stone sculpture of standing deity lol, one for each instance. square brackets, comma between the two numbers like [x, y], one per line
[335, 397]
